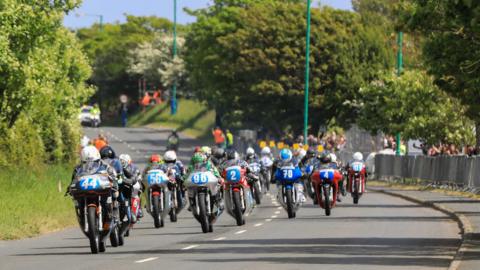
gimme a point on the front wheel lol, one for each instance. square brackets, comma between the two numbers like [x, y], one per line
[203, 216]
[326, 194]
[114, 237]
[157, 220]
[93, 234]
[355, 193]
[257, 193]
[237, 210]
[289, 199]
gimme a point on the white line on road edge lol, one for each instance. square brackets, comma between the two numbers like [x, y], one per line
[147, 260]
[268, 219]
[279, 208]
[258, 225]
[240, 232]
[189, 247]
[219, 239]
[277, 212]
[274, 216]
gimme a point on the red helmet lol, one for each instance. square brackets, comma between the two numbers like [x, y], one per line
[155, 158]
[198, 149]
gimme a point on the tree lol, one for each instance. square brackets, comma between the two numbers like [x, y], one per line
[415, 107]
[248, 62]
[451, 51]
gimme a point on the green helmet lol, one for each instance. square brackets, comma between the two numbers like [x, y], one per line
[198, 158]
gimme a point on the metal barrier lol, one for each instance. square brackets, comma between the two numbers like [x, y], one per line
[461, 171]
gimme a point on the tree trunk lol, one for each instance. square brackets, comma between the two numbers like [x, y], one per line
[477, 133]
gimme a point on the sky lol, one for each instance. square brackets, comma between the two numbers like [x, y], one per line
[114, 10]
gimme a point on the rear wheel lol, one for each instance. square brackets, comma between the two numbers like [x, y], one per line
[121, 240]
[237, 210]
[326, 194]
[93, 234]
[290, 208]
[157, 220]
[101, 247]
[203, 216]
[114, 237]
[355, 193]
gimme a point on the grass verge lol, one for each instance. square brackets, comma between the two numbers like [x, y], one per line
[193, 118]
[33, 202]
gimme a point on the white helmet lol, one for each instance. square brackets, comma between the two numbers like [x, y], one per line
[90, 153]
[301, 153]
[333, 157]
[125, 159]
[358, 156]
[170, 156]
[266, 150]
[250, 151]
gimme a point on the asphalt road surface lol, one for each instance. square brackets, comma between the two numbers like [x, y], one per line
[382, 232]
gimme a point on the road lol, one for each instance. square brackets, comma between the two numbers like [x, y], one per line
[382, 232]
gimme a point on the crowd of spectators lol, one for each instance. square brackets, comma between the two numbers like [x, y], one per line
[330, 141]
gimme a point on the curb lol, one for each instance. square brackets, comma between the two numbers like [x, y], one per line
[464, 224]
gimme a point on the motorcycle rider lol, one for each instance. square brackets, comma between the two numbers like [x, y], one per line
[250, 156]
[357, 158]
[326, 163]
[132, 179]
[287, 160]
[155, 163]
[170, 159]
[218, 156]
[108, 155]
[334, 164]
[173, 141]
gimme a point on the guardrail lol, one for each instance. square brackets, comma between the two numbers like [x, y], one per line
[461, 171]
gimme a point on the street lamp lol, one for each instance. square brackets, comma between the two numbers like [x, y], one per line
[399, 73]
[173, 104]
[307, 75]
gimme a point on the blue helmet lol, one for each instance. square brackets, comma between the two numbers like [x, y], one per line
[286, 155]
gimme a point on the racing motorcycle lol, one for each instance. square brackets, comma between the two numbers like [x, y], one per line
[92, 195]
[325, 183]
[356, 180]
[266, 165]
[255, 182]
[158, 196]
[308, 169]
[124, 222]
[205, 197]
[176, 195]
[288, 181]
[238, 196]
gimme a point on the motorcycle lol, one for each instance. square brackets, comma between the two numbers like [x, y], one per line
[92, 195]
[308, 170]
[177, 199]
[205, 198]
[325, 183]
[288, 178]
[124, 222]
[255, 182]
[158, 196]
[238, 195]
[356, 180]
[266, 166]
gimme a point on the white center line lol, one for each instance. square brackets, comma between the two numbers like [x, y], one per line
[274, 216]
[277, 212]
[268, 219]
[189, 247]
[147, 260]
[279, 207]
[219, 239]
[258, 225]
[240, 232]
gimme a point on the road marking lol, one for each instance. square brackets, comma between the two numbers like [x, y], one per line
[274, 216]
[279, 208]
[240, 232]
[147, 260]
[277, 212]
[268, 219]
[219, 239]
[258, 225]
[189, 247]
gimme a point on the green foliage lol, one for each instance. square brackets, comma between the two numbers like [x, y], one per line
[32, 202]
[247, 61]
[413, 106]
[193, 117]
[451, 49]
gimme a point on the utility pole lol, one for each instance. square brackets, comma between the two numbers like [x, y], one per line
[399, 73]
[307, 75]
[173, 105]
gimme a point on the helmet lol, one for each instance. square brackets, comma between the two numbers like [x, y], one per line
[358, 156]
[266, 150]
[197, 149]
[125, 159]
[301, 153]
[90, 153]
[107, 152]
[155, 158]
[250, 151]
[232, 155]
[170, 156]
[325, 158]
[310, 153]
[198, 158]
[207, 151]
[219, 153]
[286, 155]
[333, 157]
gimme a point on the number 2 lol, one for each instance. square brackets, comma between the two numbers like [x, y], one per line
[233, 176]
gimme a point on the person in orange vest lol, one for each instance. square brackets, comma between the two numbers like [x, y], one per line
[100, 142]
[218, 137]
[156, 96]
[145, 100]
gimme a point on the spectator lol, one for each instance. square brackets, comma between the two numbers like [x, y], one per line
[218, 137]
[229, 139]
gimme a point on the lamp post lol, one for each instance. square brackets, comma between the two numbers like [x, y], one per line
[173, 104]
[399, 73]
[307, 74]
